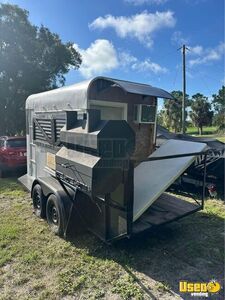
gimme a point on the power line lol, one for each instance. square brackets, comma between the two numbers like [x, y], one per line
[204, 81]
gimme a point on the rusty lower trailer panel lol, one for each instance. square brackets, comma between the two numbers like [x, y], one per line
[165, 209]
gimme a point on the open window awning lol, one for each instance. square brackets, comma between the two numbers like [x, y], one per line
[143, 89]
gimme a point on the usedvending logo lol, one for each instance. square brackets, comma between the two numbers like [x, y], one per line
[199, 289]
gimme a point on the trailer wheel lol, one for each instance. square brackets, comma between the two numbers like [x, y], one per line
[39, 201]
[55, 216]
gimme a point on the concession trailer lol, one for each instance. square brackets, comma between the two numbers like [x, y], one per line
[93, 164]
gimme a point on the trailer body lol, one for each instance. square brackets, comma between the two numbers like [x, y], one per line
[86, 151]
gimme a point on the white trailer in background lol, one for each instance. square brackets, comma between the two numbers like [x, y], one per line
[92, 160]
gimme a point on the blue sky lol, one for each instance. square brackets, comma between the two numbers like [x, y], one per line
[137, 40]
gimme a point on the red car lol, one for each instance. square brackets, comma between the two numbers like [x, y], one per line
[13, 154]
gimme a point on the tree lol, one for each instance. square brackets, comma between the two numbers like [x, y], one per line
[201, 114]
[172, 111]
[219, 106]
[32, 60]
[160, 118]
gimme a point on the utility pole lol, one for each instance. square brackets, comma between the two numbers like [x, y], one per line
[184, 48]
[184, 89]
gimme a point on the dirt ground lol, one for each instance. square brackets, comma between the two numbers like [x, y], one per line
[35, 264]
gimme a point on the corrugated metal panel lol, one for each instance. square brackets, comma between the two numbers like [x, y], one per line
[46, 127]
[59, 123]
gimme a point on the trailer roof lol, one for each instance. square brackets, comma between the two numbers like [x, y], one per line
[75, 97]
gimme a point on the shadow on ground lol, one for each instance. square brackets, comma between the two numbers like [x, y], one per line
[13, 174]
[190, 249]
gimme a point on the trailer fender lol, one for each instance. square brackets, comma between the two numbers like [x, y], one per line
[33, 185]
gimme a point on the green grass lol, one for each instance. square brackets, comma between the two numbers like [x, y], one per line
[221, 138]
[11, 188]
[207, 132]
[35, 264]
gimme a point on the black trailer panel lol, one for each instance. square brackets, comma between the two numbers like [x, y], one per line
[166, 209]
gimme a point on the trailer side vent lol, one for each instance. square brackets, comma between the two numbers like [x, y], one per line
[48, 130]
[43, 130]
[59, 123]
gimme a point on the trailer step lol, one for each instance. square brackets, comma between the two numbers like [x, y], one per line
[151, 179]
[26, 181]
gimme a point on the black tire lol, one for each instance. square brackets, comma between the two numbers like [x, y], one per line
[39, 202]
[55, 215]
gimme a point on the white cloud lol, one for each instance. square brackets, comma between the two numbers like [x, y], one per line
[141, 2]
[178, 38]
[148, 65]
[140, 26]
[196, 50]
[128, 60]
[100, 57]
[208, 55]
